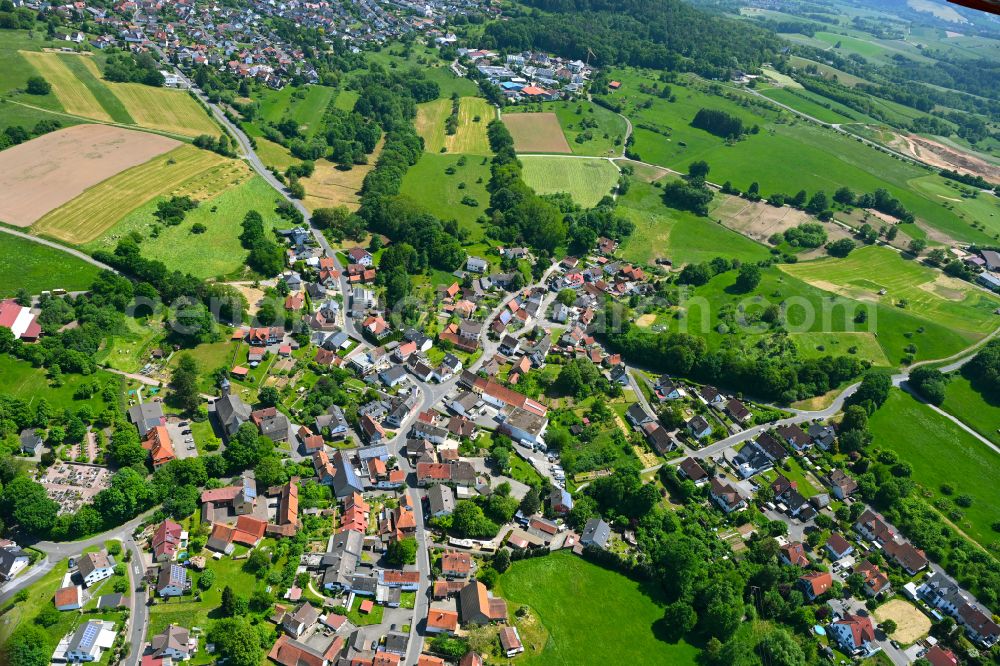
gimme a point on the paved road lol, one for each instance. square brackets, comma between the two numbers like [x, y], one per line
[56, 246]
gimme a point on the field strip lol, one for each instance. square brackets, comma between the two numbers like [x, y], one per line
[87, 73]
[165, 109]
[75, 97]
[87, 216]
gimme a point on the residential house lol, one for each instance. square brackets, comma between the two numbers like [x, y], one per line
[231, 412]
[441, 500]
[838, 547]
[393, 376]
[359, 255]
[173, 581]
[794, 554]
[796, 437]
[637, 416]
[341, 560]
[68, 598]
[332, 423]
[822, 435]
[87, 643]
[853, 633]
[157, 442]
[711, 396]
[20, 320]
[441, 621]
[876, 582]
[476, 265]
[910, 558]
[95, 567]
[872, 527]
[737, 411]
[841, 485]
[596, 533]
[272, 423]
[658, 438]
[476, 606]
[939, 656]
[166, 541]
[145, 416]
[173, 642]
[726, 497]
[371, 430]
[815, 584]
[560, 501]
[456, 564]
[304, 617]
[12, 559]
[699, 427]
[510, 642]
[667, 389]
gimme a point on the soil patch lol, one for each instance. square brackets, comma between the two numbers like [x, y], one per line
[911, 624]
[945, 157]
[645, 320]
[760, 221]
[42, 174]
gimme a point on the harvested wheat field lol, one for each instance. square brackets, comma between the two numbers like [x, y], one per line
[45, 173]
[185, 171]
[164, 109]
[330, 186]
[911, 624]
[536, 133]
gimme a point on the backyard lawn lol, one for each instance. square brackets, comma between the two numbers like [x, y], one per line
[942, 453]
[592, 615]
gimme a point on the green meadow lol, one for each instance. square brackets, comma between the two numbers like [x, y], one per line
[441, 193]
[812, 105]
[306, 105]
[427, 61]
[979, 411]
[682, 237]
[587, 181]
[925, 440]
[28, 265]
[19, 379]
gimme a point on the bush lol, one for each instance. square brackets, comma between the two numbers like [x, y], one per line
[38, 86]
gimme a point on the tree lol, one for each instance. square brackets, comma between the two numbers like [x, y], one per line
[699, 170]
[258, 561]
[874, 388]
[531, 502]
[469, 521]
[269, 397]
[233, 605]
[236, 641]
[125, 449]
[402, 551]
[840, 248]
[855, 418]
[888, 626]
[29, 505]
[679, 618]
[748, 278]
[844, 196]
[27, 646]
[780, 649]
[916, 246]
[818, 203]
[270, 472]
[930, 383]
[184, 383]
[38, 86]
[501, 561]
[206, 580]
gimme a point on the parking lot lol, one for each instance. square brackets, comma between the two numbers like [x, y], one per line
[181, 437]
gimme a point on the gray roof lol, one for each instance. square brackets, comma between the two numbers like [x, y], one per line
[145, 416]
[111, 601]
[441, 499]
[8, 556]
[345, 481]
[173, 637]
[232, 412]
[86, 636]
[596, 533]
[30, 439]
[397, 642]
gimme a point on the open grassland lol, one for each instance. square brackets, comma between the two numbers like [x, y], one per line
[787, 155]
[51, 170]
[942, 453]
[73, 94]
[164, 109]
[331, 185]
[927, 293]
[346, 100]
[591, 615]
[589, 129]
[306, 105]
[827, 71]
[273, 154]
[186, 171]
[536, 133]
[28, 265]
[429, 63]
[40, 594]
[440, 193]
[179, 246]
[863, 345]
[587, 181]
[809, 105]
[15, 68]
[682, 237]
[979, 411]
[21, 380]
[474, 114]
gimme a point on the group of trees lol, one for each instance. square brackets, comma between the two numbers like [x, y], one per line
[12, 135]
[266, 256]
[339, 222]
[692, 193]
[172, 211]
[125, 66]
[809, 235]
[719, 123]
[219, 144]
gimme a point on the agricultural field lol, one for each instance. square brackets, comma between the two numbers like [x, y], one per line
[86, 71]
[759, 221]
[73, 93]
[677, 235]
[787, 155]
[474, 114]
[164, 109]
[924, 439]
[909, 286]
[536, 133]
[184, 171]
[39, 176]
[587, 181]
[331, 186]
[587, 614]
[21, 380]
[28, 265]
[221, 214]
[428, 184]
[811, 105]
[979, 411]
[306, 105]
[827, 71]
[589, 129]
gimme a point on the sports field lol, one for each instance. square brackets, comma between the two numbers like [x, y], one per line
[588, 615]
[474, 114]
[73, 94]
[590, 129]
[49, 171]
[911, 623]
[428, 183]
[184, 171]
[909, 286]
[164, 109]
[942, 453]
[682, 237]
[587, 181]
[222, 214]
[536, 133]
[35, 267]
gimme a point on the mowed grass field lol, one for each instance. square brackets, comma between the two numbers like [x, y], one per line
[73, 94]
[927, 293]
[183, 171]
[440, 193]
[28, 265]
[536, 133]
[179, 246]
[589, 129]
[474, 114]
[979, 411]
[332, 186]
[587, 181]
[77, 83]
[864, 345]
[942, 453]
[591, 615]
[682, 237]
[810, 105]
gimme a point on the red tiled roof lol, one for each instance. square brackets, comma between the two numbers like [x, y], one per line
[442, 619]
[818, 582]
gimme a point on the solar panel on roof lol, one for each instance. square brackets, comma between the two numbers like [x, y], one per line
[90, 633]
[249, 488]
